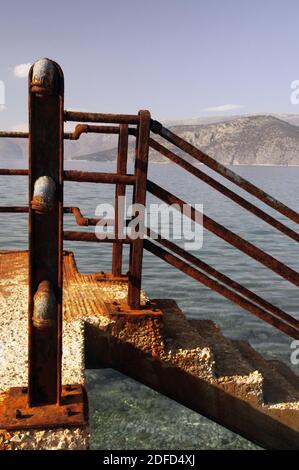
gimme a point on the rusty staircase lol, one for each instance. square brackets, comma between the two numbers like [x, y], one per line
[190, 361]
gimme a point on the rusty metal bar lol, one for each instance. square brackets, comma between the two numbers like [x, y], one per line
[120, 191]
[224, 190]
[86, 128]
[13, 172]
[100, 117]
[222, 232]
[224, 171]
[141, 167]
[94, 177]
[13, 209]
[14, 134]
[75, 135]
[223, 278]
[73, 236]
[85, 221]
[81, 176]
[46, 93]
[221, 289]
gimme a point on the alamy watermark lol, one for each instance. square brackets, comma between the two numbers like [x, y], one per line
[294, 358]
[174, 222]
[294, 96]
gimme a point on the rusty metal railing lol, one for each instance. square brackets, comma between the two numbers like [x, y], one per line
[201, 271]
[224, 171]
[46, 234]
[140, 126]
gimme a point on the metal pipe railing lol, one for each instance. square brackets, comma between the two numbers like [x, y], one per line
[224, 190]
[223, 278]
[85, 221]
[14, 210]
[232, 238]
[204, 272]
[220, 288]
[78, 116]
[75, 134]
[200, 156]
[120, 192]
[88, 129]
[139, 198]
[13, 172]
[95, 177]
[80, 176]
[14, 134]
[45, 273]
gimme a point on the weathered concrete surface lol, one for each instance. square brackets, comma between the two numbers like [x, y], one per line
[189, 361]
[13, 356]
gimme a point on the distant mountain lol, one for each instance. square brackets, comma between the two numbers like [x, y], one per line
[236, 140]
[248, 140]
[243, 140]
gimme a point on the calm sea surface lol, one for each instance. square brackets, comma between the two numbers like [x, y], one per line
[125, 414]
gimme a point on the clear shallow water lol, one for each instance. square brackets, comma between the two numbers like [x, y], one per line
[133, 410]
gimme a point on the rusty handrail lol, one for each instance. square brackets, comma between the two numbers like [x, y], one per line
[13, 172]
[204, 267]
[96, 177]
[222, 232]
[85, 221]
[75, 134]
[202, 157]
[224, 190]
[88, 129]
[14, 134]
[85, 129]
[80, 176]
[120, 192]
[222, 278]
[201, 265]
[266, 307]
[14, 209]
[220, 288]
[203, 272]
[79, 116]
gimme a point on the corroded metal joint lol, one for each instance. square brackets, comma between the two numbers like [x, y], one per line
[156, 126]
[44, 194]
[44, 77]
[44, 306]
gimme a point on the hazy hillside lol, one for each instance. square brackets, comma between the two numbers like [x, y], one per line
[250, 140]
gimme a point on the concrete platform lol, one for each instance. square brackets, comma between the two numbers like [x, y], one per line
[13, 356]
[189, 361]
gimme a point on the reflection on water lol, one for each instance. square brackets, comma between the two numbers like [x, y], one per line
[127, 400]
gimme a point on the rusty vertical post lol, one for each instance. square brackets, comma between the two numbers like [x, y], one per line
[46, 92]
[120, 191]
[141, 167]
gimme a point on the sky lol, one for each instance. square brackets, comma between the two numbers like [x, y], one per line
[178, 58]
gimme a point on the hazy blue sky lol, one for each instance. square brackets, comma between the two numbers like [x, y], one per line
[174, 57]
